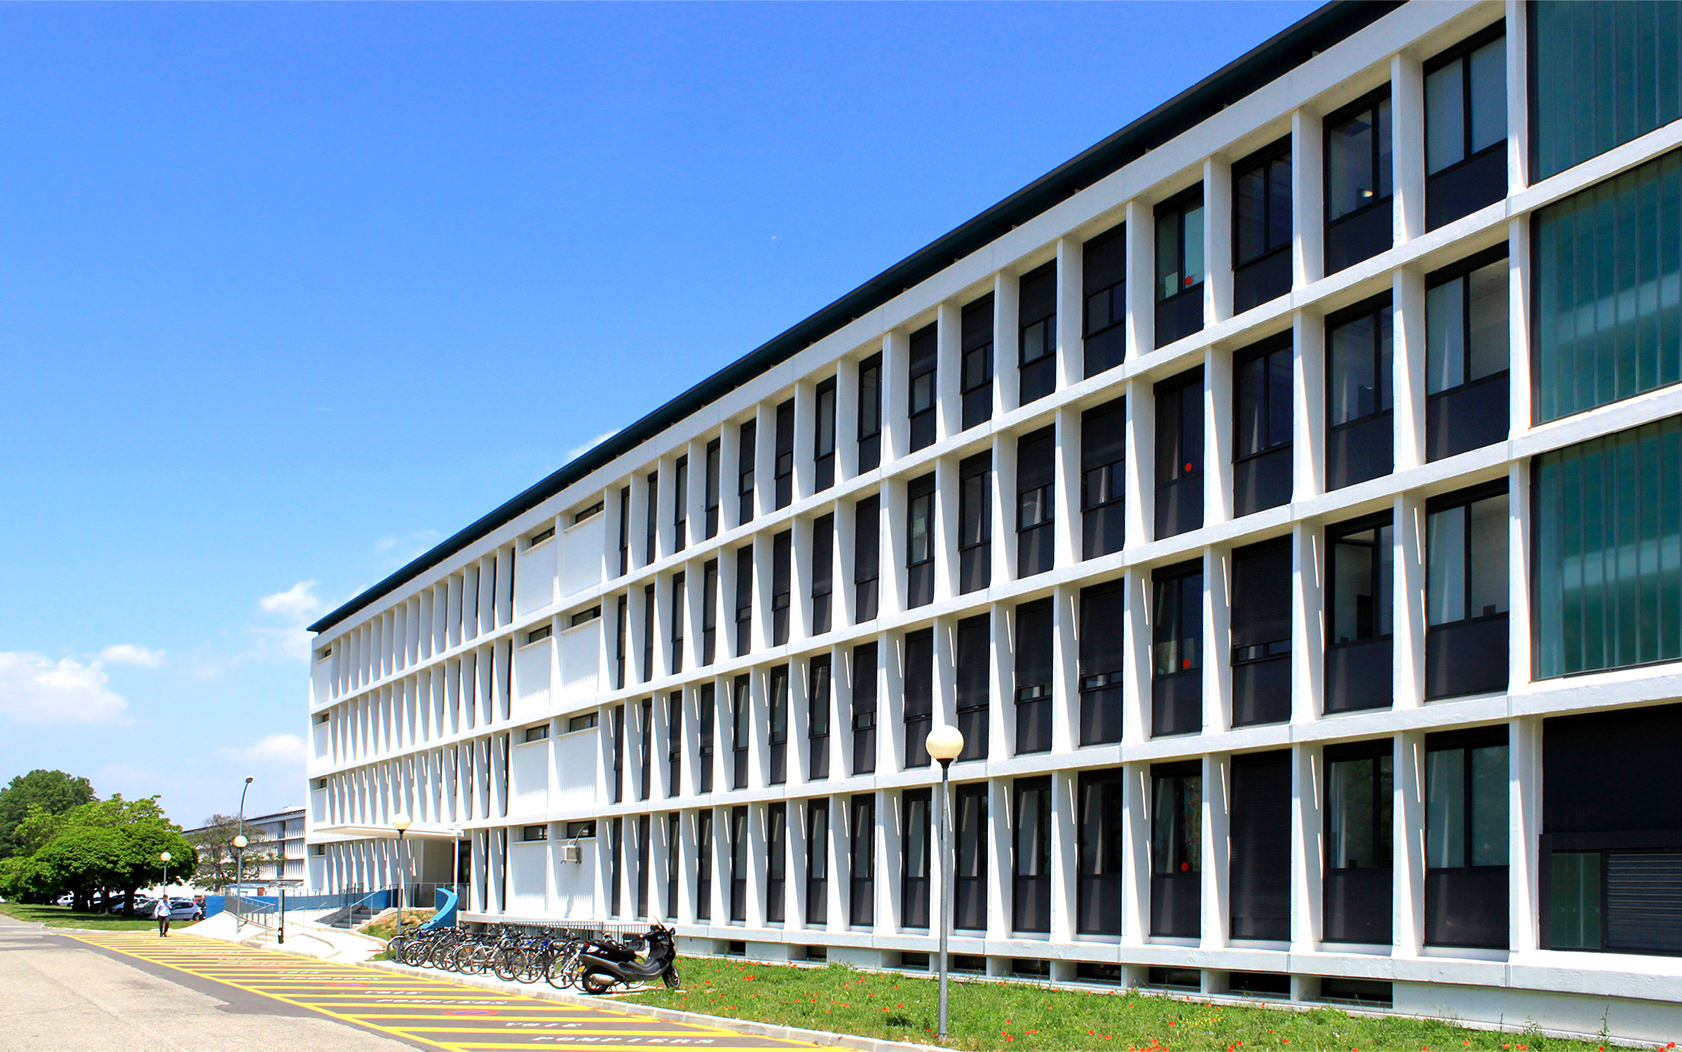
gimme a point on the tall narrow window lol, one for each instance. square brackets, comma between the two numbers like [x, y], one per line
[1261, 226]
[782, 573]
[703, 865]
[744, 598]
[647, 632]
[864, 708]
[976, 368]
[1261, 439]
[643, 836]
[919, 541]
[1261, 633]
[777, 687]
[645, 748]
[622, 627]
[975, 522]
[1103, 478]
[1100, 819]
[712, 492]
[616, 744]
[823, 436]
[741, 730]
[914, 871]
[861, 856]
[1608, 290]
[624, 530]
[776, 861]
[1466, 778]
[1179, 453]
[920, 414]
[1359, 439]
[867, 557]
[1035, 501]
[823, 571]
[674, 743]
[1104, 297]
[1466, 352]
[817, 718]
[1036, 315]
[739, 864]
[746, 451]
[706, 704]
[817, 862]
[1030, 898]
[1177, 649]
[1608, 524]
[969, 883]
[1466, 128]
[1176, 849]
[680, 504]
[919, 695]
[1466, 592]
[1260, 864]
[782, 470]
[974, 646]
[651, 547]
[1033, 676]
[679, 614]
[870, 413]
[1358, 841]
[709, 611]
[1600, 75]
[1358, 173]
[1103, 612]
[674, 865]
[616, 866]
[1179, 266]
[1359, 608]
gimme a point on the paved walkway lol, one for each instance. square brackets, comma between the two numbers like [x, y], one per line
[419, 1010]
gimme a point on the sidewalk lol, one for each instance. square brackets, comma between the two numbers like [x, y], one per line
[302, 937]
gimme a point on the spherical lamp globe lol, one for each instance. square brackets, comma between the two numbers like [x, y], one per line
[945, 743]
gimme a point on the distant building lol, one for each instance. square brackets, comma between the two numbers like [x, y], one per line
[1284, 497]
[278, 839]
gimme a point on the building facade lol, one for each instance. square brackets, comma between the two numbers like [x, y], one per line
[277, 857]
[1284, 498]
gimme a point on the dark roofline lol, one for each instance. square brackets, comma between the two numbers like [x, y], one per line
[1288, 49]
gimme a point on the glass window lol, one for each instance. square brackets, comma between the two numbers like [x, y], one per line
[1261, 204]
[920, 522]
[1179, 244]
[1262, 390]
[1466, 327]
[1177, 634]
[1105, 277]
[1037, 307]
[1176, 821]
[870, 397]
[1359, 358]
[1465, 104]
[1601, 74]
[1608, 290]
[1466, 560]
[824, 432]
[1466, 806]
[1608, 529]
[1362, 581]
[1358, 158]
[975, 493]
[1358, 802]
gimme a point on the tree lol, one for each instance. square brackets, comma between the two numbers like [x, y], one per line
[82, 859]
[51, 791]
[99, 845]
[216, 852]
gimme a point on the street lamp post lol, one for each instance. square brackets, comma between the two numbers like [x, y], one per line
[944, 745]
[166, 856]
[239, 872]
[400, 821]
[239, 840]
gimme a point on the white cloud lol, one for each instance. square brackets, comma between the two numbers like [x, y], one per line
[285, 749]
[132, 654]
[36, 689]
[296, 603]
[577, 451]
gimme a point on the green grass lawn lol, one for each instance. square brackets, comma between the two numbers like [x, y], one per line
[386, 927]
[68, 917]
[1025, 1016]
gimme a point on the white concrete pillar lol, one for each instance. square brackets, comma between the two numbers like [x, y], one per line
[1408, 366]
[1071, 360]
[1217, 434]
[896, 395]
[765, 460]
[1065, 490]
[1001, 677]
[1407, 145]
[1136, 683]
[1518, 116]
[847, 420]
[943, 533]
[945, 703]
[729, 482]
[1519, 561]
[1408, 849]
[1307, 857]
[1065, 670]
[1006, 390]
[1307, 623]
[1519, 379]
[1308, 221]
[1136, 854]
[844, 597]
[1408, 635]
[1141, 459]
[890, 704]
[889, 858]
[1000, 863]
[1141, 285]
[948, 376]
[891, 584]
[1217, 240]
[1308, 405]
[805, 439]
[1003, 545]
[1064, 860]
[1217, 850]
[1524, 807]
[1217, 639]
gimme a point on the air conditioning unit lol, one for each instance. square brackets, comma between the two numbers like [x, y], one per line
[572, 853]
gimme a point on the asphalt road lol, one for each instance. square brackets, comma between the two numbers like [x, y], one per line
[133, 990]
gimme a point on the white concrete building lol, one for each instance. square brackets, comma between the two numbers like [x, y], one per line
[1284, 497]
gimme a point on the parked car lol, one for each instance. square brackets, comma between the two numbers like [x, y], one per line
[142, 907]
[185, 909]
[65, 899]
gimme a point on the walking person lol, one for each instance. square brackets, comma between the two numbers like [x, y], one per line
[160, 913]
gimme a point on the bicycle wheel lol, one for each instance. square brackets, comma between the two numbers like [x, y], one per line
[563, 968]
[533, 963]
[506, 963]
[395, 945]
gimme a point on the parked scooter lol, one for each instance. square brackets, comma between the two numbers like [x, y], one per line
[601, 969]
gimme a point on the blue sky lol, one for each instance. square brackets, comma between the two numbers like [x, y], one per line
[287, 293]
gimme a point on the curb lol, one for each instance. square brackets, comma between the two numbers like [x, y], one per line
[673, 1015]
